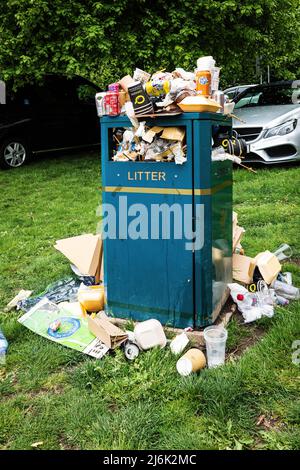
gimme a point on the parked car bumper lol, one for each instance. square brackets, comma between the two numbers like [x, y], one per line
[279, 149]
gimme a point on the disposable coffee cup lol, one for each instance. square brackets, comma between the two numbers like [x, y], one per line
[192, 361]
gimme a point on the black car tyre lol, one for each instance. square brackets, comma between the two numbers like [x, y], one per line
[14, 152]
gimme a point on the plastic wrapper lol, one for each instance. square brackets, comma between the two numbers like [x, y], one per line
[181, 73]
[58, 292]
[141, 76]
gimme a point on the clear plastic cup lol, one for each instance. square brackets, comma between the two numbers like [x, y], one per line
[215, 339]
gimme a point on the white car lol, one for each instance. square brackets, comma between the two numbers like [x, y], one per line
[269, 120]
[234, 91]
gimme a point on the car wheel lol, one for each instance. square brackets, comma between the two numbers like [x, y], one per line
[14, 152]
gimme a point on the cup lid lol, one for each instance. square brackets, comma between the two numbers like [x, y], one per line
[184, 366]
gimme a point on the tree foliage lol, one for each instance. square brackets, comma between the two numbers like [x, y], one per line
[102, 40]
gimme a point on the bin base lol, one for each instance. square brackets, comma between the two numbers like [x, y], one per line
[196, 336]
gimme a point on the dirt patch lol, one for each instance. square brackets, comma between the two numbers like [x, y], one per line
[246, 343]
[295, 261]
[269, 423]
[248, 334]
[65, 445]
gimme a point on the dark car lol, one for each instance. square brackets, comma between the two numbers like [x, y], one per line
[57, 114]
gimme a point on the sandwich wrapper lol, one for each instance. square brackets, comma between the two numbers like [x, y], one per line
[107, 332]
[85, 252]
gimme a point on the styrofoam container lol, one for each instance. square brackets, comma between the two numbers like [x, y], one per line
[198, 104]
[149, 334]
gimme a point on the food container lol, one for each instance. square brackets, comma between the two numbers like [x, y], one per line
[198, 104]
[149, 334]
[92, 298]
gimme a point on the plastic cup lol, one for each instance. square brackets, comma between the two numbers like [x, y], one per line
[215, 339]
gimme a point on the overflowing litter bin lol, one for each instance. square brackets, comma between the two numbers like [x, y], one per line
[169, 255]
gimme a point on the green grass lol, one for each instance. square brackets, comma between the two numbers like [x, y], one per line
[67, 400]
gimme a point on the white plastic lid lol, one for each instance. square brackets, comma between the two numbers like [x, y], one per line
[215, 334]
[184, 366]
[206, 62]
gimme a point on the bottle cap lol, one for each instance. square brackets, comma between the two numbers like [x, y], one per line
[240, 297]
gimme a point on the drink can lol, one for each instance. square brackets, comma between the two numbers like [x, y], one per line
[219, 97]
[113, 87]
[203, 82]
[99, 99]
[111, 103]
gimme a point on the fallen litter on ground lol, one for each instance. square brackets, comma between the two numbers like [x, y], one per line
[72, 314]
[73, 331]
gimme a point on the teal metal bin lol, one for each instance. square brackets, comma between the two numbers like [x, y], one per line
[159, 277]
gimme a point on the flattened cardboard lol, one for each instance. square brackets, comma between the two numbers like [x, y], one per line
[173, 133]
[107, 332]
[84, 251]
[157, 129]
[149, 136]
[151, 133]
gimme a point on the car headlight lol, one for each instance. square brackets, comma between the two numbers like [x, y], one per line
[282, 129]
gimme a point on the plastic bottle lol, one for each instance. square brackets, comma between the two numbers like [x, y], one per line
[3, 347]
[278, 299]
[247, 300]
[263, 294]
[285, 290]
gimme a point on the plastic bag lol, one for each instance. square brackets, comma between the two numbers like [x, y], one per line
[60, 291]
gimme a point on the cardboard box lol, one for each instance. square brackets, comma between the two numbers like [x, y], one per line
[140, 100]
[243, 267]
[85, 252]
[173, 133]
[125, 82]
[107, 332]
[268, 265]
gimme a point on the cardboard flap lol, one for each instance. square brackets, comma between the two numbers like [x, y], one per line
[83, 251]
[242, 268]
[268, 265]
[107, 332]
[239, 231]
[173, 133]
